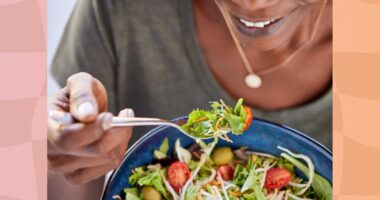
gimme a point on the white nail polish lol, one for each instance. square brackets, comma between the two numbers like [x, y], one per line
[107, 121]
[85, 109]
[130, 113]
[60, 116]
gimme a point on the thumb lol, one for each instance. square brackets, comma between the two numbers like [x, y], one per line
[127, 113]
[83, 104]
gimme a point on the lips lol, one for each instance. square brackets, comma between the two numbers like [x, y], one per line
[256, 28]
[257, 24]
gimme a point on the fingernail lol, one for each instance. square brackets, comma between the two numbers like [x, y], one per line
[61, 116]
[85, 109]
[107, 121]
[130, 113]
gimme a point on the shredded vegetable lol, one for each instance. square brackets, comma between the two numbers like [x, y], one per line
[170, 189]
[309, 163]
[193, 175]
[225, 193]
[183, 154]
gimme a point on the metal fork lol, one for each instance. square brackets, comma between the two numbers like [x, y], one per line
[142, 121]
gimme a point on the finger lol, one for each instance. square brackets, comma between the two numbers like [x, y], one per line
[127, 113]
[74, 136]
[122, 149]
[52, 150]
[56, 120]
[114, 137]
[110, 140]
[58, 114]
[67, 163]
[59, 101]
[83, 90]
[60, 163]
[61, 116]
[85, 175]
[53, 130]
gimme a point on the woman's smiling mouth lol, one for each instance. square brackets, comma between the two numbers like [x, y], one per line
[257, 24]
[257, 28]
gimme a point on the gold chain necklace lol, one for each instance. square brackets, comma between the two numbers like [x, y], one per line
[252, 79]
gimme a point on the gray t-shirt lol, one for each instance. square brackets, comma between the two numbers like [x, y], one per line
[147, 54]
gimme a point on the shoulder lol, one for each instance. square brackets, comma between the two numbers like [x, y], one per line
[124, 5]
[114, 11]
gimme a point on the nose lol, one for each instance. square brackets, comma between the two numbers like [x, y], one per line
[254, 5]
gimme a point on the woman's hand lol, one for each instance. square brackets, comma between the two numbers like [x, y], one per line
[81, 145]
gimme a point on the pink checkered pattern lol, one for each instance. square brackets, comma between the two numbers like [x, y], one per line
[23, 163]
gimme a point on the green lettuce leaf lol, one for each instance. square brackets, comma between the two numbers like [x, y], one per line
[222, 118]
[321, 186]
[238, 106]
[158, 155]
[256, 187]
[250, 181]
[191, 192]
[137, 173]
[164, 147]
[240, 175]
[249, 196]
[236, 123]
[153, 178]
[131, 194]
[161, 153]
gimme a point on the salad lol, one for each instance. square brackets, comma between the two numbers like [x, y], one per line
[206, 172]
[219, 121]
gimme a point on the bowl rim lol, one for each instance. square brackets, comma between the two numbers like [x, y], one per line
[325, 151]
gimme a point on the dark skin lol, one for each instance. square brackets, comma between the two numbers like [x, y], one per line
[303, 79]
[83, 162]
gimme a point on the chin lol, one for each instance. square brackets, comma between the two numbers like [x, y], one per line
[268, 42]
[264, 45]
[267, 31]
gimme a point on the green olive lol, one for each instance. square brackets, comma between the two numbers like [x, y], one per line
[149, 193]
[222, 155]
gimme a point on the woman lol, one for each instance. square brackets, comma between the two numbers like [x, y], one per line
[165, 57]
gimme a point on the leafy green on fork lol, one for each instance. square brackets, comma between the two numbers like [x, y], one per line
[218, 121]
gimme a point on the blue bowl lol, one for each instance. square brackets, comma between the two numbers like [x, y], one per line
[262, 136]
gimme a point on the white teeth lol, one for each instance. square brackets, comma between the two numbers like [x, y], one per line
[261, 24]
[247, 23]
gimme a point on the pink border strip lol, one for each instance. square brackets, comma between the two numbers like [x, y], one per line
[23, 99]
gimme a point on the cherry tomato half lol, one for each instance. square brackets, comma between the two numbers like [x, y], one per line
[248, 121]
[277, 178]
[178, 174]
[226, 171]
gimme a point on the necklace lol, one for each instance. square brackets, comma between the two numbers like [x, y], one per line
[252, 79]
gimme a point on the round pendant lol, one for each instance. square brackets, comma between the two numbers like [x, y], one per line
[253, 81]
